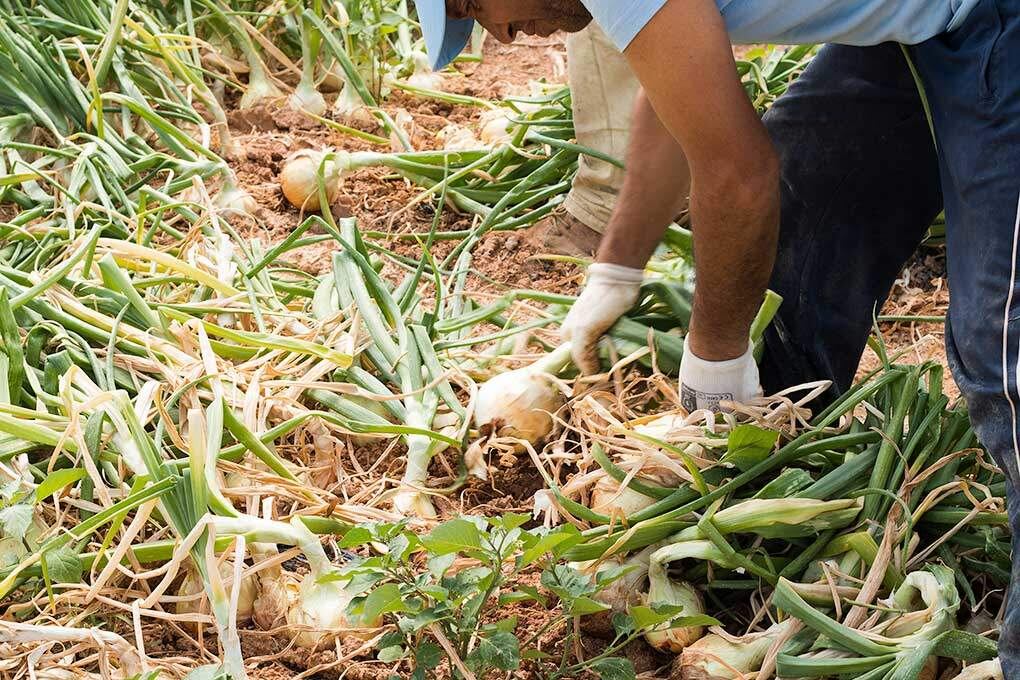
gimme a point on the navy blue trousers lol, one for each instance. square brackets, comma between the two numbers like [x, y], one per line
[861, 183]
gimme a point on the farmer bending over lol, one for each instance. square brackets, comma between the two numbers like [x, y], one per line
[824, 201]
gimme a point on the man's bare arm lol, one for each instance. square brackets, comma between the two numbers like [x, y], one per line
[655, 189]
[685, 63]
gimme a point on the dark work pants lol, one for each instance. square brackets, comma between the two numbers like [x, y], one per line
[862, 181]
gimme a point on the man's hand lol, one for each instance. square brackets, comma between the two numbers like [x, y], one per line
[609, 294]
[704, 384]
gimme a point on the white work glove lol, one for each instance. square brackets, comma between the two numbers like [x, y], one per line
[703, 384]
[610, 293]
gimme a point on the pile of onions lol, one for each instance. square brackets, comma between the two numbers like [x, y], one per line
[520, 404]
[313, 607]
[299, 178]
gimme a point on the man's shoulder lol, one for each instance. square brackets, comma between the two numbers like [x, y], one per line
[622, 21]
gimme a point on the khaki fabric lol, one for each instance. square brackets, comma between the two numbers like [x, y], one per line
[603, 89]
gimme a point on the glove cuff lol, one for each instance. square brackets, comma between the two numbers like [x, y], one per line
[614, 273]
[706, 383]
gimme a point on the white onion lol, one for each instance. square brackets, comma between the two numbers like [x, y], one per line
[424, 77]
[425, 81]
[306, 98]
[987, 670]
[677, 593]
[607, 498]
[521, 403]
[234, 200]
[350, 107]
[299, 178]
[260, 90]
[715, 657]
[495, 126]
[318, 611]
[192, 585]
[458, 138]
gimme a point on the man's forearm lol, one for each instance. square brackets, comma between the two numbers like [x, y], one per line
[735, 234]
[654, 191]
[684, 61]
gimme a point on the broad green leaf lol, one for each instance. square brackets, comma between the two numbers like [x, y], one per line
[56, 481]
[501, 651]
[415, 623]
[568, 583]
[510, 520]
[391, 654]
[11, 551]
[555, 543]
[399, 547]
[646, 618]
[585, 606]
[611, 573]
[749, 445]
[614, 669]
[428, 655]
[535, 655]
[440, 564]
[623, 624]
[390, 639]
[455, 536]
[505, 625]
[63, 565]
[522, 594]
[15, 520]
[386, 599]
[355, 537]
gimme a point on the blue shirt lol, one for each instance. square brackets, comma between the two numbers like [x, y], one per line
[850, 22]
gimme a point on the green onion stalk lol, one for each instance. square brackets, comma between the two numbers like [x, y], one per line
[920, 624]
[404, 353]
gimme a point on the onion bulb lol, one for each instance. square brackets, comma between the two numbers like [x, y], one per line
[192, 585]
[521, 403]
[607, 498]
[260, 90]
[232, 199]
[621, 594]
[495, 126]
[715, 657]
[299, 178]
[351, 108]
[457, 138]
[318, 611]
[313, 610]
[424, 77]
[680, 594]
[306, 98]
[987, 670]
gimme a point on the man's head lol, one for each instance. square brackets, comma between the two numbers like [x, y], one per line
[447, 24]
